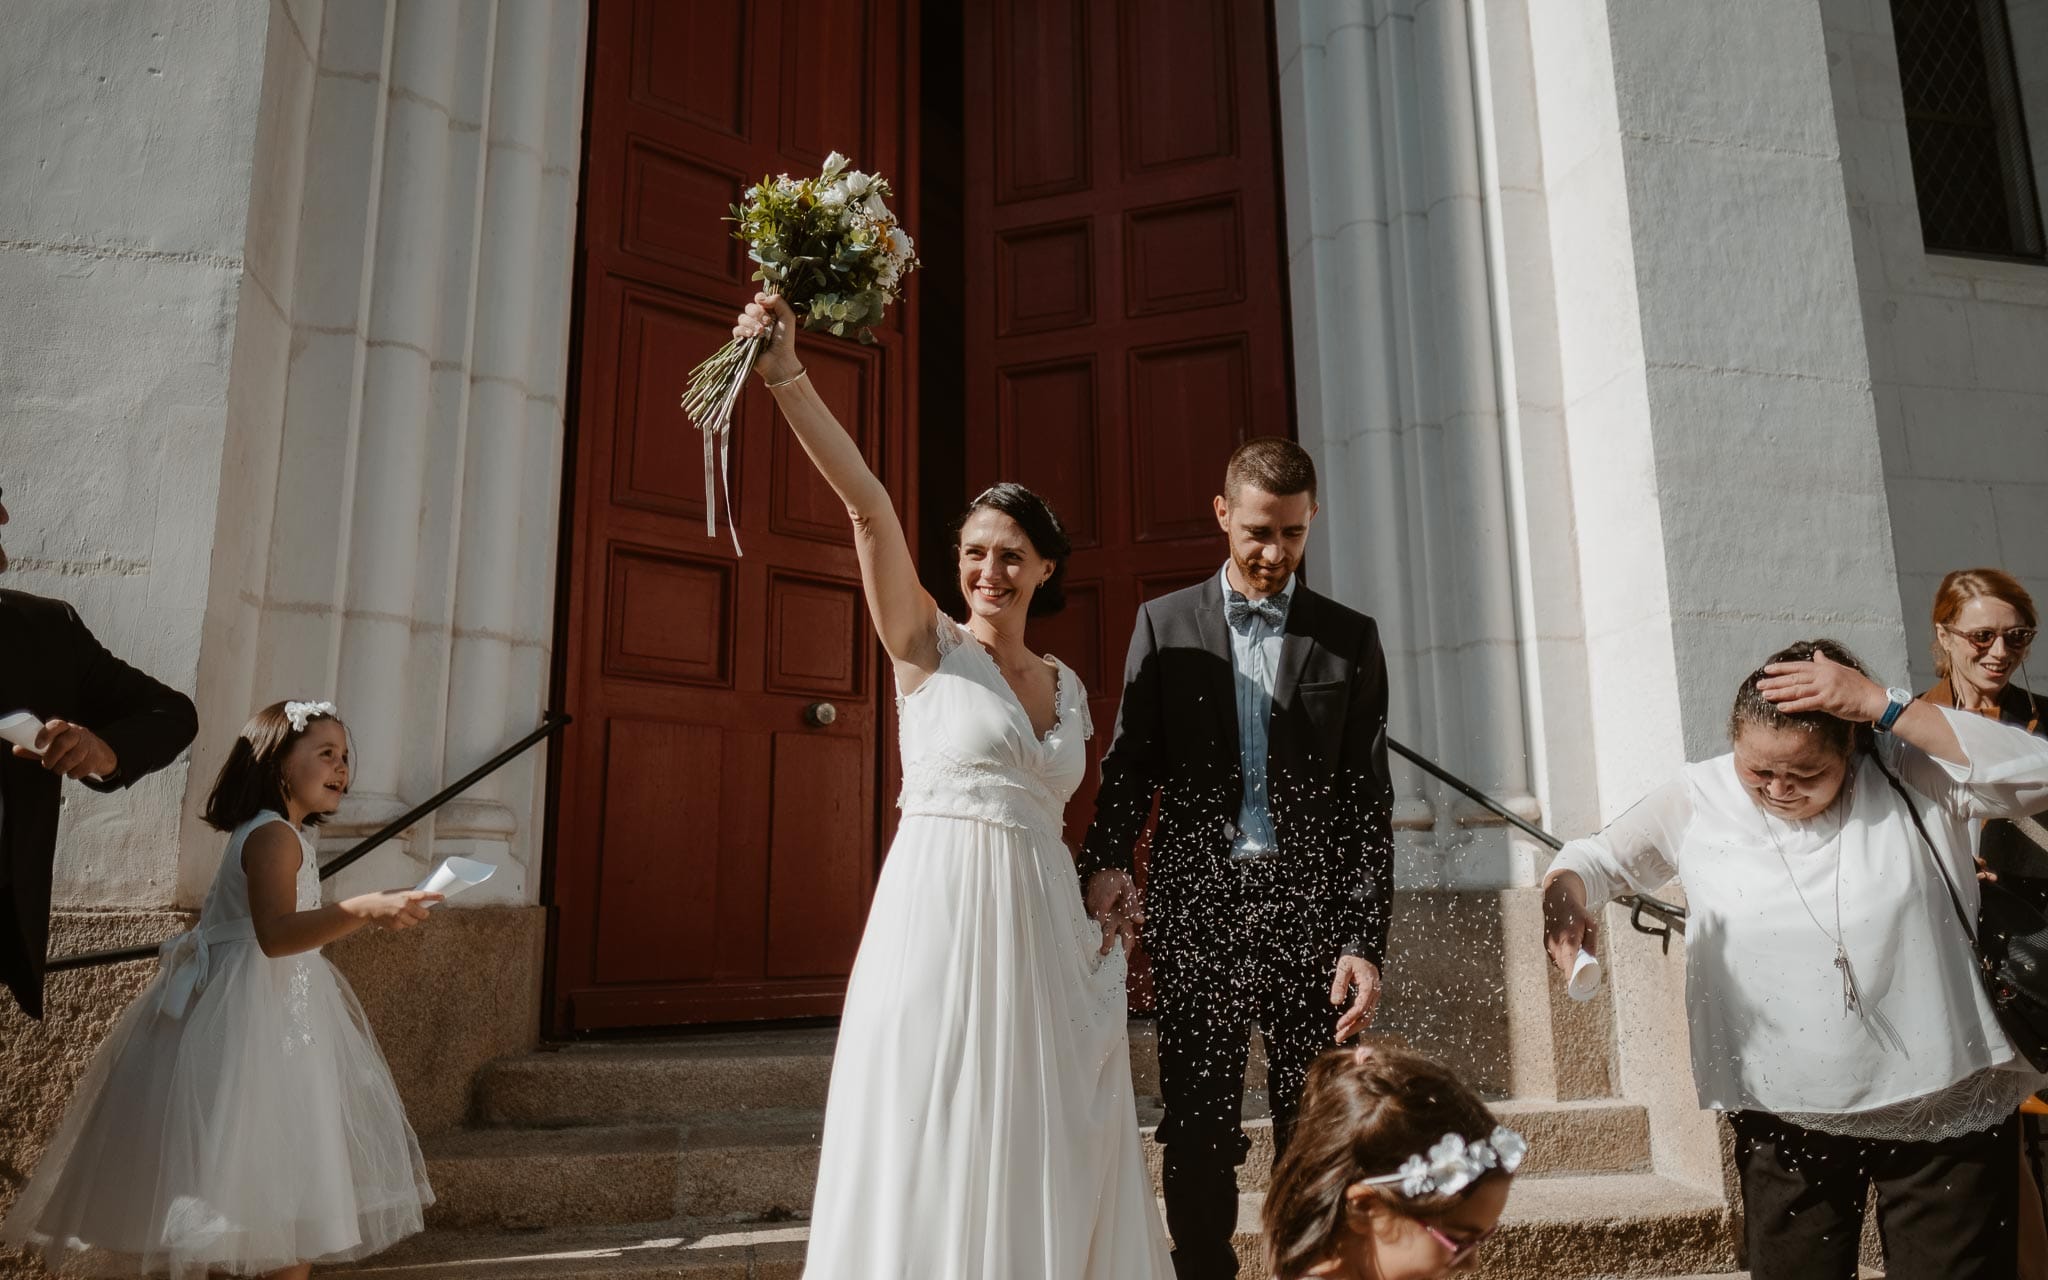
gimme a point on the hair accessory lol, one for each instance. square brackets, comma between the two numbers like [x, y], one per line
[301, 713]
[1454, 1164]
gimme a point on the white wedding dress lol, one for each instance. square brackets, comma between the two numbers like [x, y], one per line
[980, 1123]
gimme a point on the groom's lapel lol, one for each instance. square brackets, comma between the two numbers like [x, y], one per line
[1216, 639]
[1295, 646]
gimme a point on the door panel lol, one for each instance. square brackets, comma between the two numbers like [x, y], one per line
[715, 849]
[1122, 204]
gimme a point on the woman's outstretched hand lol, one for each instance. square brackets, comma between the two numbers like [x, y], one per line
[1823, 685]
[778, 362]
[1567, 924]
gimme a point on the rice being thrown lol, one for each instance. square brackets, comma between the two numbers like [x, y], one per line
[831, 246]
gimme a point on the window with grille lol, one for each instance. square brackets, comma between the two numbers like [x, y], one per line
[1967, 128]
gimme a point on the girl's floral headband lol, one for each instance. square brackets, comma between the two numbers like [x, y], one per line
[301, 714]
[1454, 1164]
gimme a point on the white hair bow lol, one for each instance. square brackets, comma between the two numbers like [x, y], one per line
[301, 713]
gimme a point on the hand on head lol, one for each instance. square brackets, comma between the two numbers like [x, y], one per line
[769, 314]
[1822, 685]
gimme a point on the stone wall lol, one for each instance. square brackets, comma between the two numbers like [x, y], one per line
[1958, 347]
[126, 165]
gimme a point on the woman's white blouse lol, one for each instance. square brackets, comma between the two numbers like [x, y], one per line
[1764, 998]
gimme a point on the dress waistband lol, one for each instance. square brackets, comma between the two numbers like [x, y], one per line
[186, 961]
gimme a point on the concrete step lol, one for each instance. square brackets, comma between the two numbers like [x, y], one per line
[763, 1163]
[517, 1178]
[674, 1080]
[1560, 1228]
[658, 1082]
[695, 1251]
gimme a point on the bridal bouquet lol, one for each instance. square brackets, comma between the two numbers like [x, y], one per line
[832, 248]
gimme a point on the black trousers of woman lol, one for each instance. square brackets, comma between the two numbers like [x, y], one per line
[1945, 1210]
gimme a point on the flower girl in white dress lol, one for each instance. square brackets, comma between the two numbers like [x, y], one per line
[240, 1117]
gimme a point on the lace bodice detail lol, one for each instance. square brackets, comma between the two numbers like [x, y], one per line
[969, 750]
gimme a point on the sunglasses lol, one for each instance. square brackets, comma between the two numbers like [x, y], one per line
[1983, 638]
[1459, 1252]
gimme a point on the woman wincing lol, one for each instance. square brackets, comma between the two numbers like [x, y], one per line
[1832, 996]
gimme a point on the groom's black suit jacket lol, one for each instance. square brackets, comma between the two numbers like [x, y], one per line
[50, 664]
[1177, 738]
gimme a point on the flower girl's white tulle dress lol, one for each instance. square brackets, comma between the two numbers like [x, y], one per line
[980, 1124]
[239, 1118]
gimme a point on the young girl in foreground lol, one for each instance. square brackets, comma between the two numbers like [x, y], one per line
[1396, 1171]
[240, 1118]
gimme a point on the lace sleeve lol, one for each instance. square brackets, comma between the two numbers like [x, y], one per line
[949, 633]
[1071, 686]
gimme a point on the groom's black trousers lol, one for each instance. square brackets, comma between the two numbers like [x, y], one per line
[1252, 966]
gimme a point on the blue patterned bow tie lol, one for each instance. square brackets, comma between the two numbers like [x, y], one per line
[1240, 610]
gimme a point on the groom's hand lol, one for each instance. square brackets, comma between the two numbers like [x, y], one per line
[1360, 977]
[1112, 898]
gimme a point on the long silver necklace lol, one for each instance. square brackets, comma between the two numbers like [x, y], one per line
[1852, 999]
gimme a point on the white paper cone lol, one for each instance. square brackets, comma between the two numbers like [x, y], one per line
[454, 875]
[1584, 983]
[21, 729]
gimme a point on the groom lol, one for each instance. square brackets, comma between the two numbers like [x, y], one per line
[1255, 711]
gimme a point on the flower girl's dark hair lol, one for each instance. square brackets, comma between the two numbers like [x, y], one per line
[1364, 1112]
[252, 780]
[1048, 538]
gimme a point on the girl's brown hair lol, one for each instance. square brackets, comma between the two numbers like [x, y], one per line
[1362, 1115]
[252, 780]
[1964, 585]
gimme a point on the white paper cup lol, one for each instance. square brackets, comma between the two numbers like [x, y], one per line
[1584, 983]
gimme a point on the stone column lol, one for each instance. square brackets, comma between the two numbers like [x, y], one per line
[1400, 397]
[410, 509]
[1726, 479]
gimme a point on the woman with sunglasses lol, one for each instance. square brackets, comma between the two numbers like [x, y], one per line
[1984, 623]
[1396, 1171]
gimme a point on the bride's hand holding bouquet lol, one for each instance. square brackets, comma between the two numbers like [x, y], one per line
[830, 250]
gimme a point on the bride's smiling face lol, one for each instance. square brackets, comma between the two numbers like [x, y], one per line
[999, 568]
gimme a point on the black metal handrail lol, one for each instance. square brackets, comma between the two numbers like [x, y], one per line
[553, 722]
[1670, 916]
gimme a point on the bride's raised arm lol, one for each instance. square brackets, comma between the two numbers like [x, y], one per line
[903, 611]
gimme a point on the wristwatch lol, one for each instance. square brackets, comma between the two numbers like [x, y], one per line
[1900, 700]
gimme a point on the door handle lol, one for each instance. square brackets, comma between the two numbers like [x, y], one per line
[820, 714]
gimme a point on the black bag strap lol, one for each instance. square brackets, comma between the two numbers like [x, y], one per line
[1955, 899]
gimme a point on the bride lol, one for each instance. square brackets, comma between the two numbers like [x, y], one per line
[980, 1120]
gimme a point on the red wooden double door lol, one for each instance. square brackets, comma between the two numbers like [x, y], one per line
[1109, 276]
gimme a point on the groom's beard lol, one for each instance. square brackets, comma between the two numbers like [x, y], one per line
[1272, 583]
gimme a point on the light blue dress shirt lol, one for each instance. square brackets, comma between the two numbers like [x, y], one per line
[1255, 658]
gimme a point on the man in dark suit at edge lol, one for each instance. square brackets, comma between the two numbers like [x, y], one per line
[1255, 710]
[105, 724]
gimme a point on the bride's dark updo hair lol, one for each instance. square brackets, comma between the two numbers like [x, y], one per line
[1048, 538]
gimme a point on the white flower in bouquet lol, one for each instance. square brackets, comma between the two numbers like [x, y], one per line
[832, 248]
